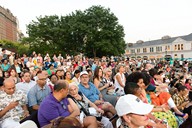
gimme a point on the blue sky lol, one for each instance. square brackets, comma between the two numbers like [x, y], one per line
[141, 19]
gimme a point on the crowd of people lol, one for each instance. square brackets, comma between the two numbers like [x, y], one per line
[81, 92]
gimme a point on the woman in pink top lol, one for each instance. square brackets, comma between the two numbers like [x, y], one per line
[188, 84]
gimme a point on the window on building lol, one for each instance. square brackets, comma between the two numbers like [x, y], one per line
[144, 50]
[138, 50]
[182, 56]
[160, 49]
[191, 45]
[1, 15]
[157, 49]
[181, 46]
[151, 49]
[175, 47]
[175, 55]
[168, 48]
[178, 46]
[165, 48]
[132, 50]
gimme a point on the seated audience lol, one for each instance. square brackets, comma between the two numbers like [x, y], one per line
[132, 112]
[56, 104]
[37, 93]
[94, 95]
[27, 84]
[12, 105]
[83, 103]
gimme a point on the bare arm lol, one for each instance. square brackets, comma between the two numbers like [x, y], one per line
[119, 81]
[26, 112]
[35, 107]
[97, 82]
[73, 108]
[7, 108]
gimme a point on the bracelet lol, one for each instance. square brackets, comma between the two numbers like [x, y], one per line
[180, 115]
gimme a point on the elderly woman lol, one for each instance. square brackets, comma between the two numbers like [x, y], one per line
[84, 103]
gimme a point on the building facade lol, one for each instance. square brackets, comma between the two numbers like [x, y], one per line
[8, 25]
[175, 47]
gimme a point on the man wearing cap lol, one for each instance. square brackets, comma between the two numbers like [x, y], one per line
[38, 92]
[93, 94]
[132, 112]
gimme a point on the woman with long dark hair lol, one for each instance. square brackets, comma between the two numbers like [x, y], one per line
[103, 86]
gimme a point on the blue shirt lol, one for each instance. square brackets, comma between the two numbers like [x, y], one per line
[37, 94]
[51, 108]
[5, 67]
[92, 93]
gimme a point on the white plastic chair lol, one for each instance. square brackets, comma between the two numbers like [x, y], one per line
[27, 124]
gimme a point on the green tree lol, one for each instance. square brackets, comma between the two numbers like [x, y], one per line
[105, 35]
[94, 32]
[16, 47]
[45, 34]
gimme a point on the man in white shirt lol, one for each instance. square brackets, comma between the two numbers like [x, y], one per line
[12, 105]
[27, 84]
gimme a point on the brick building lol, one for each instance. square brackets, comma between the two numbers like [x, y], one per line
[8, 25]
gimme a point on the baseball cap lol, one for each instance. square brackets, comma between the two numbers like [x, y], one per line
[83, 73]
[132, 104]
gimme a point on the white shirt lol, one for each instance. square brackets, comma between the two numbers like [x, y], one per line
[25, 87]
[117, 85]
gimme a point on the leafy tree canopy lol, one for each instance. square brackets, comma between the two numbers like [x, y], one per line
[94, 32]
[16, 47]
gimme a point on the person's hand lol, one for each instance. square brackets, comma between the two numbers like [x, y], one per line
[98, 102]
[106, 85]
[157, 120]
[100, 111]
[100, 125]
[26, 114]
[165, 107]
[160, 125]
[12, 105]
[185, 116]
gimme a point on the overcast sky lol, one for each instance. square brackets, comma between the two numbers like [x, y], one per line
[141, 19]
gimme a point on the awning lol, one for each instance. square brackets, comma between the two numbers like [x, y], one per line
[145, 57]
[151, 57]
[159, 56]
[138, 56]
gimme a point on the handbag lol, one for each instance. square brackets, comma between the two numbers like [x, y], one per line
[90, 111]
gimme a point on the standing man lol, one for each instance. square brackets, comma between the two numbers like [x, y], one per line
[12, 105]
